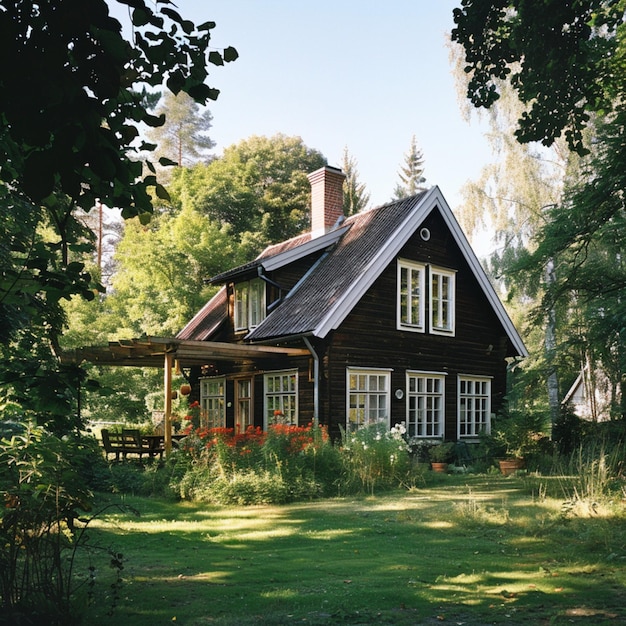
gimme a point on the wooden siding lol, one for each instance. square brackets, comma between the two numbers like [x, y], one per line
[369, 337]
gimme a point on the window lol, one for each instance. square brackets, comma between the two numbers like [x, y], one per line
[441, 301]
[213, 402]
[281, 398]
[243, 404]
[474, 406]
[368, 397]
[249, 304]
[410, 296]
[425, 404]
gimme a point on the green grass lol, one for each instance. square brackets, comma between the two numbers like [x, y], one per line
[464, 550]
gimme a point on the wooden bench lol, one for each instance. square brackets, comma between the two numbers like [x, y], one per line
[129, 441]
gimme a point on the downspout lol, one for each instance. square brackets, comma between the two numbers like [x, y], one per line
[316, 382]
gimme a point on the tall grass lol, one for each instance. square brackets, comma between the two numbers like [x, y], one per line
[589, 477]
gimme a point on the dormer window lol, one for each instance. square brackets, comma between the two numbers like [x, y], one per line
[249, 304]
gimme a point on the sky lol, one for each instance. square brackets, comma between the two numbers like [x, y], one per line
[361, 74]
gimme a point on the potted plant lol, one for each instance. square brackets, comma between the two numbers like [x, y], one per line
[516, 435]
[440, 455]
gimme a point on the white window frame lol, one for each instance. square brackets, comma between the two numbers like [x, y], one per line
[280, 393]
[213, 402]
[249, 310]
[243, 404]
[473, 406]
[405, 309]
[366, 403]
[445, 301]
[425, 404]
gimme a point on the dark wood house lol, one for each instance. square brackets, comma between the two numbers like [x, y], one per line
[392, 315]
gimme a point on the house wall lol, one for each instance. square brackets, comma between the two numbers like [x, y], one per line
[369, 337]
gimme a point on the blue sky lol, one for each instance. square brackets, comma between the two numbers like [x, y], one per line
[365, 74]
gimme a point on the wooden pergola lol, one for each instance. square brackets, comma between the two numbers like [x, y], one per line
[166, 351]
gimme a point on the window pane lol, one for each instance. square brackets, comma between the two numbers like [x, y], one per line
[426, 406]
[474, 407]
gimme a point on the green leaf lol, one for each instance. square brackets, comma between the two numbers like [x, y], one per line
[161, 192]
[216, 58]
[206, 26]
[165, 162]
[230, 54]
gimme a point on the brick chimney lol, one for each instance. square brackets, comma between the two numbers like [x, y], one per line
[326, 199]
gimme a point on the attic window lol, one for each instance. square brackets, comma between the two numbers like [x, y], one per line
[411, 292]
[249, 304]
[425, 234]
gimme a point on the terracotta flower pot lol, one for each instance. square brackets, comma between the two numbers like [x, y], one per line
[510, 466]
[185, 389]
[442, 468]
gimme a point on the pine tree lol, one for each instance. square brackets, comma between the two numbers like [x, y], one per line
[411, 173]
[183, 138]
[355, 196]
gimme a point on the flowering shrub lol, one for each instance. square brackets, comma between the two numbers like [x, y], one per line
[375, 457]
[285, 463]
[191, 421]
[289, 463]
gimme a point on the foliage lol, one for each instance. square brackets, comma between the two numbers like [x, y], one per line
[183, 137]
[411, 173]
[374, 457]
[519, 433]
[259, 187]
[82, 72]
[68, 139]
[162, 269]
[44, 490]
[584, 235]
[561, 58]
[283, 464]
[441, 452]
[355, 196]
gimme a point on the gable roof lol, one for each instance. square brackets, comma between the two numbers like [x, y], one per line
[353, 257]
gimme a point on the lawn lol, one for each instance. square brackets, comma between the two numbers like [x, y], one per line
[463, 550]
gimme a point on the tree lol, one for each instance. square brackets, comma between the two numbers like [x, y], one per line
[585, 235]
[566, 62]
[70, 113]
[355, 196]
[562, 58]
[183, 137]
[411, 173]
[162, 266]
[259, 187]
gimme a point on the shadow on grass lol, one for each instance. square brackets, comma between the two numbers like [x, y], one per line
[470, 551]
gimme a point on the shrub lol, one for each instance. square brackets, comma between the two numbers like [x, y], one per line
[374, 457]
[285, 463]
[44, 496]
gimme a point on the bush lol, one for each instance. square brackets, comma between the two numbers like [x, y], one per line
[374, 458]
[44, 496]
[284, 464]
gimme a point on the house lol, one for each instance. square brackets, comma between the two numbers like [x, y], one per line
[593, 396]
[384, 316]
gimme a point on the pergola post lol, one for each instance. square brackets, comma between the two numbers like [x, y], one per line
[167, 389]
